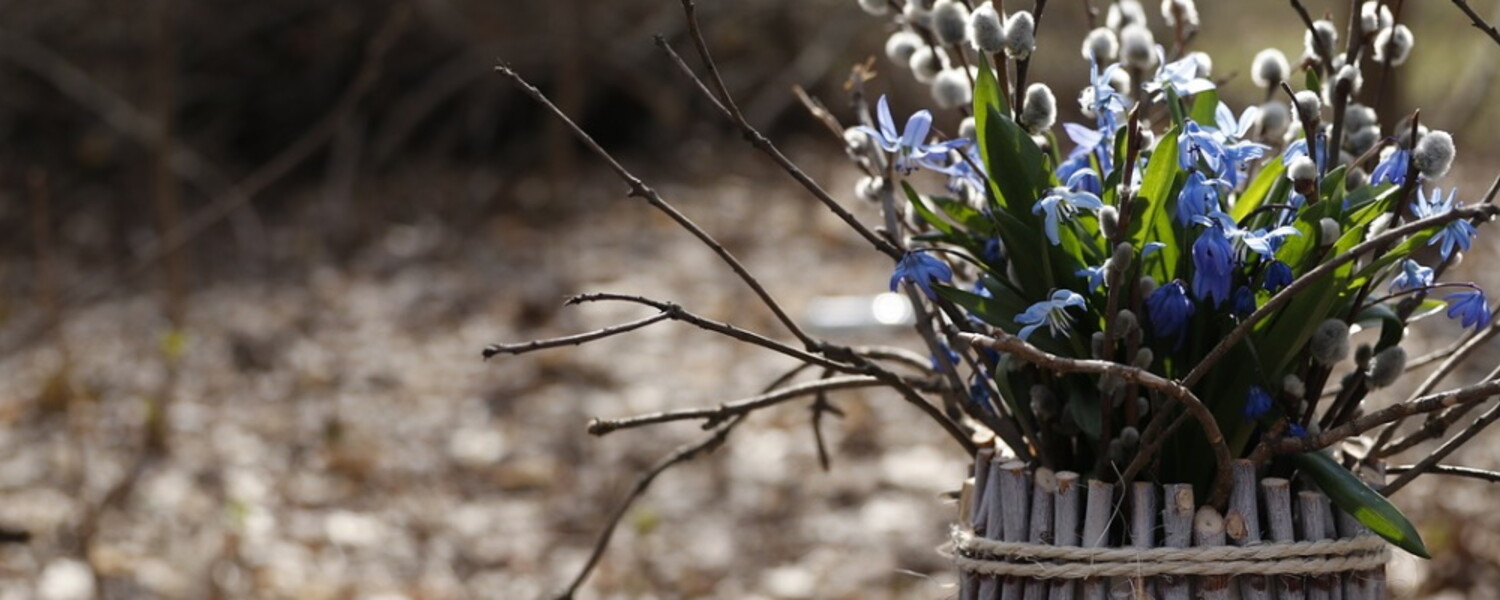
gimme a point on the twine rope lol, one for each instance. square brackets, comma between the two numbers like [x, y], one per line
[1038, 561]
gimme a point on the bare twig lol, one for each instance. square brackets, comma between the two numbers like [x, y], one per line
[1465, 395]
[572, 340]
[639, 189]
[1325, 53]
[1453, 443]
[1469, 472]
[1436, 377]
[1006, 342]
[715, 415]
[1477, 21]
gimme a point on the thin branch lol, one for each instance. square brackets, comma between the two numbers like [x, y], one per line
[1436, 377]
[682, 454]
[1466, 395]
[572, 340]
[1006, 342]
[1325, 53]
[715, 415]
[1435, 426]
[757, 139]
[1454, 443]
[639, 189]
[1469, 472]
[1477, 21]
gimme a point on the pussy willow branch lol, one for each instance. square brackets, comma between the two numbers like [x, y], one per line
[726, 104]
[1436, 377]
[1454, 443]
[1325, 54]
[714, 415]
[1478, 22]
[1450, 470]
[1435, 426]
[1465, 395]
[639, 189]
[1006, 342]
[1024, 64]
[573, 340]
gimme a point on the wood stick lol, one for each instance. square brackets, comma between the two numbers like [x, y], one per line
[968, 585]
[1177, 522]
[1242, 524]
[1276, 494]
[993, 522]
[1015, 491]
[1065, 528]
[1043, 492]
[1098, 514]
[1208, 531]
[1316, 519]
[1143, 511]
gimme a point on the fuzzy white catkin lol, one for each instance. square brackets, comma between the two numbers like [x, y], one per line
[1274, 118]
[901, 45]
[1359, 116]
[1101, 46]
[1393, 44]
[857, 142]
[1327, 34]
[1352, 74]
[986, 30]
[875, 7]
[1020, 35]
[1204, 62]
[1328, 231]
[1361, 139]
[1387, 367]
[950, 89]
[1374, 16]
[1137, 46]
[926, 63]
[966, 128]
[1269, 68]
[1189, 11]
[1330, 342]
[917, 14]
[1434, 154]
[1040, 110]
[1292, 385]
[1302, 169]
[1125, 13]
[949, 20]
[868, 188]
[1308, 105]
[1356, 177]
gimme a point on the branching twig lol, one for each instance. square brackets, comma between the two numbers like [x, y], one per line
[1454, 443]
[1436, 377]
[572, 340]
[1469, 472]
[715, 415]
[1478, 22]
[1465, 395]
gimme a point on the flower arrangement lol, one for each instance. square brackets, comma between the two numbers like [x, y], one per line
[1174, 285]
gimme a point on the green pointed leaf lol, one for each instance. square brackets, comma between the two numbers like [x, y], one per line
[1391, 327]
[1261, 190]
[1366, 505]
[1151, 219]
[1205, 105]
[927, 215]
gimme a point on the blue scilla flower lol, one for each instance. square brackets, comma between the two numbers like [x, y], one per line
[1169, 309]
[1278, 275]
[1213, 266]
[1151, 248]
[1392, 169]
[1232, 128]
[1299, 148]
[1257, 403]
[1085, 180]
[1086, 143]
[993, 253]
[1197, 144]
[1296, 430]
[1199, 198]
[1243, 302]
[1101, 99]
[1457, 233]
[910, 146]
[1266, 242]
[1052, 312]
[1060, 204]
[1237, 150]
[952, 357]
[1412, 276]
[1470, 306]
[1181, 76]
[921, 269]
[1094, 275]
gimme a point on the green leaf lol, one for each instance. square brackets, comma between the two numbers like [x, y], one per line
[1000, 310]
[927, 215]
[963, 214]
[1391, 327]
[1366, 505]
[987, 91]
[1205, 105]
[1313, 81]
[1151, 221]
[1260, 191]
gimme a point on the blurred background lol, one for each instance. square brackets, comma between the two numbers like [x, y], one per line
[253, 251]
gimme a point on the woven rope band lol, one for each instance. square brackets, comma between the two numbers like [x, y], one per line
[1038, 561]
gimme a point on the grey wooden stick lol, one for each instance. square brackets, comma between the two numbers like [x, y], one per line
[1375, 582]
[1177, 524]
[1208, 530]
[1276, 493]
[1098, 513]
[1242, 525]
[968, 584]
[1015, 491]
[1043, 491]
[989, 585]
[1065, 527]
[1143, 511]
[1316, 518]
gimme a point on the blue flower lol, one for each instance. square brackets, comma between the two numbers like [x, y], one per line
[1243, 302]
[1199, 197]
[1095, 276]
[1213, 266]
[1296, 430]
[921, 269]
[1060, 204]
[1470, 306]
[1278, 275]
[1257, 403]
[1196, 144]
[993, 252]
[1456, 233]
[1052, 312]
[1101, 99]
[1413, 276]
[1151, 248]
[910, 146]
[979, 394]
[952, 357]
[1169, 309]
[1084, 180]
[1392, 169]
[1181, 76]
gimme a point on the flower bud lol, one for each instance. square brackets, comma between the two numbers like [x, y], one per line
[1326, 34]
[926, 63]
[1328, 231]
[1109, 222]
[1378, 225]
[1269, 68]
[1292, 385]
[949, 19]
[1143, 358]
[1172, 9]
[1121, 258]
[1130, 437]
[857, 142]
[1362, 355]
[1020, 35]
[918, 14]
[1374, 17]
[901, 46]
[1101, 46]
[875, 7]
[1355, 178]
[1142, 405]
[868, 188]
[1043, 402]
[1359, 116]
[950, 89]
[1125, 13]
[1433, 154]
[1393, 44]
[1116, 452]
[1146, 285]
[1351, 74]
[1040, 110]
[1308, 105]
[1302, 170]
[1205, 64]
[1096, 345]
[1125, 323]
[967, 130]
[1274, 118]
[1330, 342]
[1137, 47]
[986, 31]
